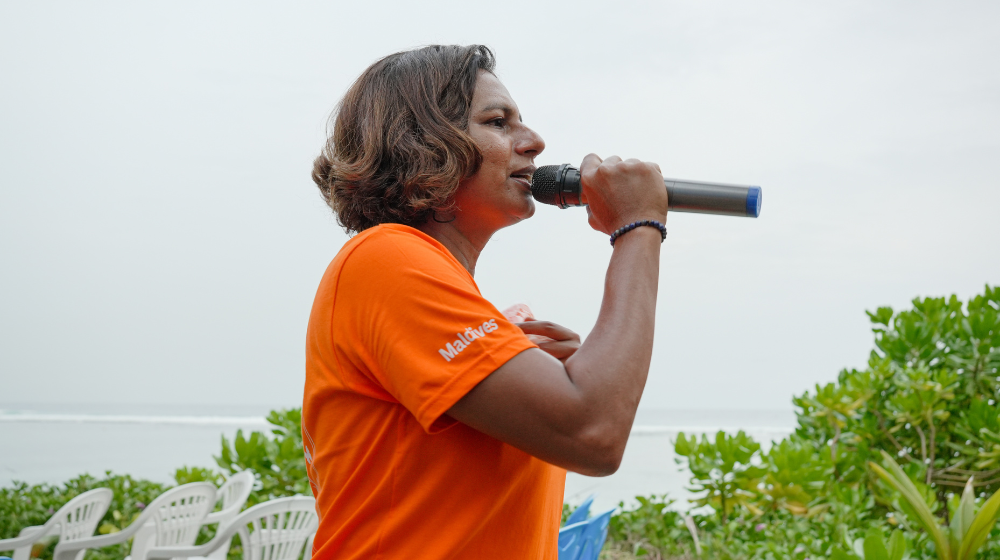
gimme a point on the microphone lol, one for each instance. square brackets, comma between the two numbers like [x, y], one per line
[560, 185]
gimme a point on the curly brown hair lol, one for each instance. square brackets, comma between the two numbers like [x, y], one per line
[399, 147]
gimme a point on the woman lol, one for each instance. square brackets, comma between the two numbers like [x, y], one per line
[433, 427]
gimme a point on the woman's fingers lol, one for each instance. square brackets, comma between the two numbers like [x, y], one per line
[590, 162]
[621, 191]
[563, 342]
[549, 329]
[560, 350]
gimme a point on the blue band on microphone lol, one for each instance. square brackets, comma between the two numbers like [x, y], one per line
[754, 196]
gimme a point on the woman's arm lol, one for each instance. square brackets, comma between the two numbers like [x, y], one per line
[579, 415]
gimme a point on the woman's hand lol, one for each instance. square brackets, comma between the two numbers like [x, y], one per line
[562, 342]
[620, 192]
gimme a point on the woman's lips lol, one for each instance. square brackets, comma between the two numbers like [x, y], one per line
[524, 181]
[523, 176]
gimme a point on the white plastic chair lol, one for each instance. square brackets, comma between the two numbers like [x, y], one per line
[274, 530]
[309, 544]
[77, 519]
[233, 494]
[177, 515]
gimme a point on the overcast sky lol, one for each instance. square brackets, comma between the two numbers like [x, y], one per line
[162, 240]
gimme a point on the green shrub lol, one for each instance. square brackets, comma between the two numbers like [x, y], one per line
[929, 398]
[722, 470]
[652, 528]
[276, 459]
[24, 506]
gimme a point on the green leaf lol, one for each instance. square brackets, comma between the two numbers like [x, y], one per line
[897, 546]
[681, 446]
[881, 317]
[902, 484]
[980, 528]
[964, 513]
[838, 554]
[859, 548]
[874, 546]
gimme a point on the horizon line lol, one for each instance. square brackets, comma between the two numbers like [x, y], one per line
[236, 421]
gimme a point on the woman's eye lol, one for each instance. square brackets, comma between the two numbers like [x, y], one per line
[498, 122]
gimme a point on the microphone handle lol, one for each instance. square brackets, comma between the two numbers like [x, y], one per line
[685, 196]
[713, 198]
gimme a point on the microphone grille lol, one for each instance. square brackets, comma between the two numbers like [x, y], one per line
[544, 186]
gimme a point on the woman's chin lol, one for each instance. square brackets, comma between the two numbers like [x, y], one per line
[531, 209]
[527, 211]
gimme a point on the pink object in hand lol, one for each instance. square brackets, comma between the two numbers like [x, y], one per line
[519, 313]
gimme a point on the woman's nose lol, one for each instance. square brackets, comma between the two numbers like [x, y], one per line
[531, 143]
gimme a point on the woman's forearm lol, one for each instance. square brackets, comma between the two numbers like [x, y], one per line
[578, 414]
[611, 366]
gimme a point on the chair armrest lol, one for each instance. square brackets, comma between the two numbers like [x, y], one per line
[31, 531]
[99, 541]
[16, 542]
[22, 543]
[68, 550]
[214, 517]
[221, 538]
[223, 515]
[166, 552]
[26, 537]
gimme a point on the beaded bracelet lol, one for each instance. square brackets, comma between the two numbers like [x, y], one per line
[652, 223]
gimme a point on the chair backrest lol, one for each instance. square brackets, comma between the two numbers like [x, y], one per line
[309, 546]
[277, 529]
[173, 518]
[571, 540]
[76, 519]
[581, 513]
[234, 494]
[235, 491]
[178, 512]
[595, 534]
[80, 516]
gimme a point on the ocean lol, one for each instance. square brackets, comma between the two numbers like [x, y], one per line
[53, 443]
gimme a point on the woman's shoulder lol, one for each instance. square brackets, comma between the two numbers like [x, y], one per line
[389, 238]
[395, 246]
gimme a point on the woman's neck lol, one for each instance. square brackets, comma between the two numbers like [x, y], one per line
[463, 246]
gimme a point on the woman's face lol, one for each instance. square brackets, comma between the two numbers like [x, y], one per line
[499, 194]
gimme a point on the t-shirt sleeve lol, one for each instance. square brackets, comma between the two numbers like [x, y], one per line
[419, 325]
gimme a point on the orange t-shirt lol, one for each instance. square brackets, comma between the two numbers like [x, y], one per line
[398, 334]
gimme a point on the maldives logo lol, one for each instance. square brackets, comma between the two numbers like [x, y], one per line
[463, 341]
